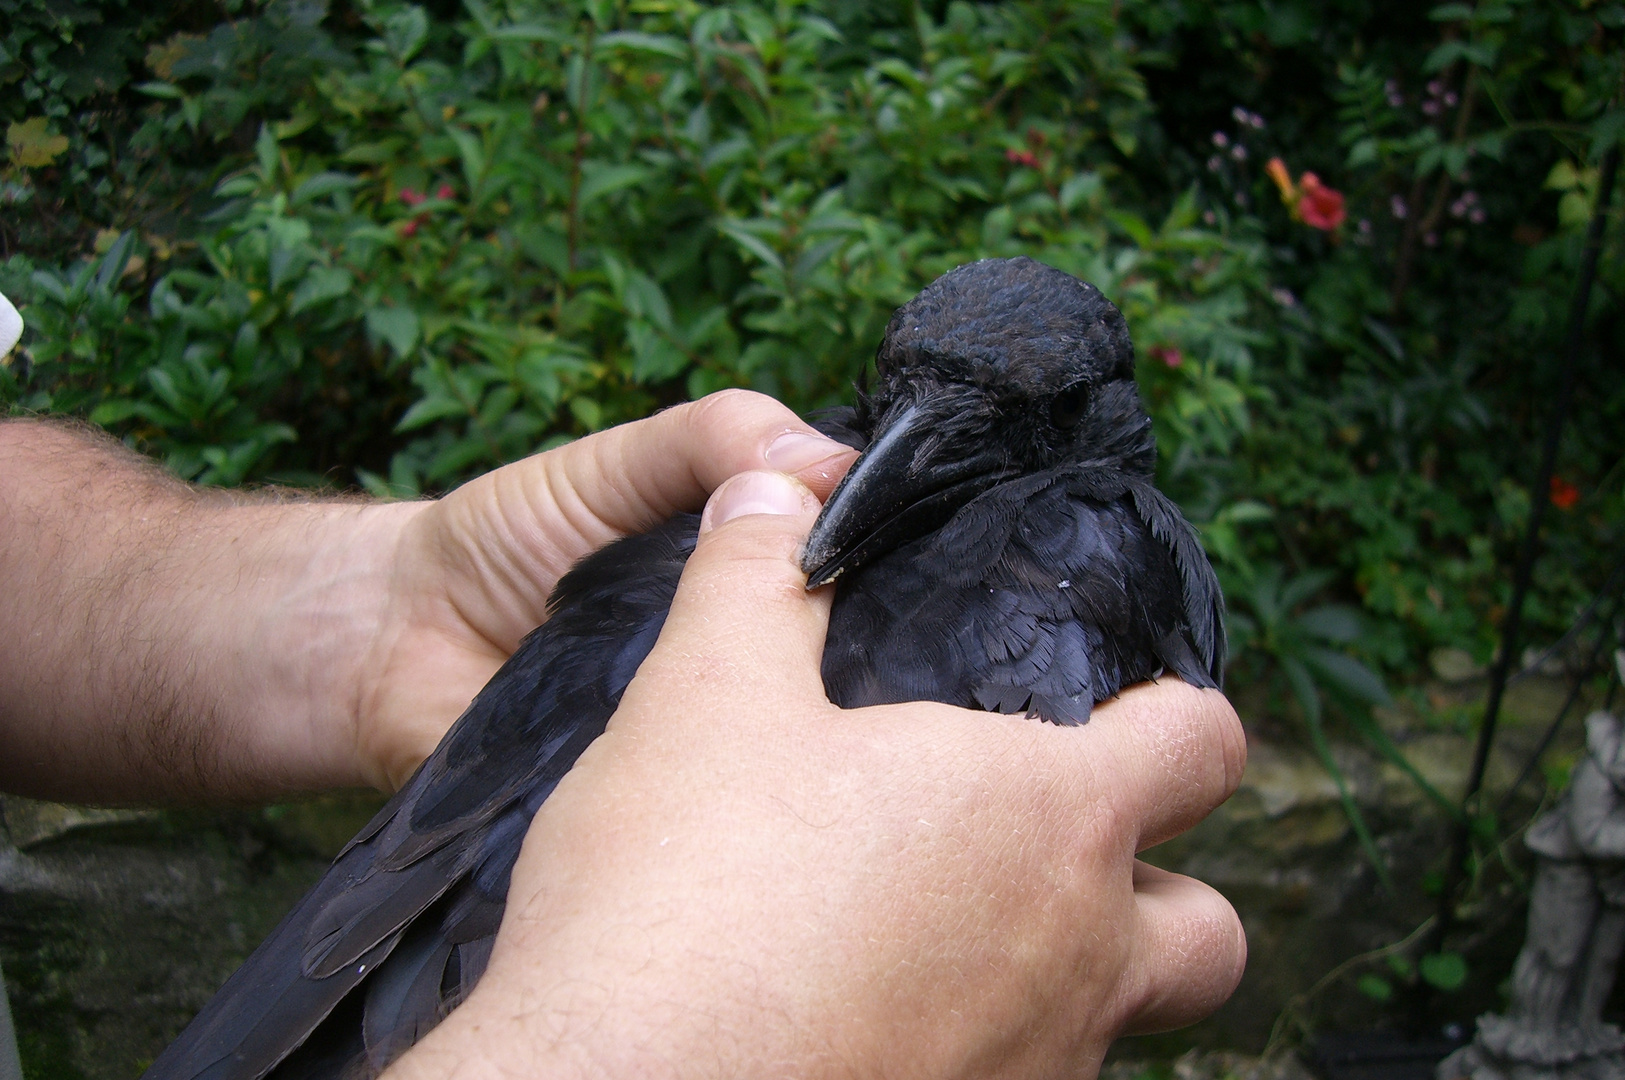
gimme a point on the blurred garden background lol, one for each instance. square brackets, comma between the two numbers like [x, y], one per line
[384, 247]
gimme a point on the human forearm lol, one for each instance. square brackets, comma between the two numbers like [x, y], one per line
[163, 642]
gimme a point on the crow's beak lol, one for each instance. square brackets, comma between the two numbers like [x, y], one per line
[890, 496]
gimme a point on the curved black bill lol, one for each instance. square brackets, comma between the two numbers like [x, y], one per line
[889, 497]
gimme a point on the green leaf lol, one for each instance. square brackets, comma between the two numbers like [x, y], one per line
[1363, 152]
[321, 284]
[1348, 675]
[598, 180]
[1331, 622]
[635, 41]
[113, 263]
[750, 242]
[1451, 12]
[266, 152]
[1303, 685]
[1132, 224]
[1608, 130]
[528, 32]
[116, 411]
[471, 154]
[168, 91]
[163, 384]
[405, 31]
[233, 186]
[1084, 187]
[429, 410]
[1375, 987]
[654, 358]
[1444, 970]
[1304, 586]
[1385, 337]
[32, 144]
[323, 183]
[396, 325]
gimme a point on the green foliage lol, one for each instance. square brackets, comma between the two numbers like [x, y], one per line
[1375, 987]
[1443, 971]
[538, 223]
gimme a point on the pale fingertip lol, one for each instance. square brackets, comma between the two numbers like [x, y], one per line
[755, 493]
[793, 451]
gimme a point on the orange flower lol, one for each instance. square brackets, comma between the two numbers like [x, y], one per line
[1320, 206]
[1564, 494]
[1283, 180]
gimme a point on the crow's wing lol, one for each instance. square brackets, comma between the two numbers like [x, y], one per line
[401, 925]
[1045, 596]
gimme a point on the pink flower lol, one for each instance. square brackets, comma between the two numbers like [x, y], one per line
[412, 197]
[1022, 157]
[410, 228]
[444, 192]
[1168, 354]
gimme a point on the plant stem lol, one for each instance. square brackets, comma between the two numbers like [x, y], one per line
[1540, 499]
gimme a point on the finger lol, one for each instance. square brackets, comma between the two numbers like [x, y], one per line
[649, 470]
[743, 628]
[1174, 751]
[1191, 951]
[511, 534]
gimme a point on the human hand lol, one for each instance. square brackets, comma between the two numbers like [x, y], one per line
[473, 571]
[739, 878]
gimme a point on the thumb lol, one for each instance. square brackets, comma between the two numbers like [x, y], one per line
[743, 629]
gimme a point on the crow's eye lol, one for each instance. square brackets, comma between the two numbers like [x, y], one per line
[1068, 407]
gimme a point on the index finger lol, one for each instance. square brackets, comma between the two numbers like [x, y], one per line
[672, 461]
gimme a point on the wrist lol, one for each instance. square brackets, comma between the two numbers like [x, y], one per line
[165, 642]
[295, 642]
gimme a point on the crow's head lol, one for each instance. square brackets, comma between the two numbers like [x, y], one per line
[996, 370]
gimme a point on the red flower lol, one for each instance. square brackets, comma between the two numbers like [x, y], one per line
[1320, 206]
[1168, 354]
[412, 197]
[411, 227]
[1564, 494]
[1310, 201]
[444, 192]
[1022, 157]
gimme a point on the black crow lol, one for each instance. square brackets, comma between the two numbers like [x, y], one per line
[998, 545]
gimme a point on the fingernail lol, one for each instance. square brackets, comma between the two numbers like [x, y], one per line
[795, 450]
[753, 493]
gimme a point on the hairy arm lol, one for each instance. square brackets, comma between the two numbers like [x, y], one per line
[165, 642]
[160, 642]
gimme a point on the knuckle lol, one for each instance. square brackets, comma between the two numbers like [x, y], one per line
[728, 411]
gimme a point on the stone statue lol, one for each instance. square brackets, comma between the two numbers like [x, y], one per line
[1554, 1028]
